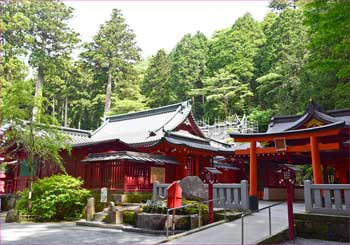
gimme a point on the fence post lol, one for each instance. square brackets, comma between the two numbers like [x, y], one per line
[244, 194]
[155, 194]
[307, 196]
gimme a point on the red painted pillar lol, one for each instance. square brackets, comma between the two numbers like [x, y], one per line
[316, 163]
[210, 204]
[197, 165]
[253, 178]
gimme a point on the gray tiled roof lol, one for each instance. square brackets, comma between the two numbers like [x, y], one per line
[132, 156]
[77, 136]
[287, 123]
[178, 138]
[143, 127]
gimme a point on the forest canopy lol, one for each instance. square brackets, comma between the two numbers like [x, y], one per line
[299, 51]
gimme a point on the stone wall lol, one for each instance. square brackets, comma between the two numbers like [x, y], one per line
[325, 227]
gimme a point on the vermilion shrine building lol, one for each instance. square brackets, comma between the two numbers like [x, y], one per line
[318, 137]
[129, 152]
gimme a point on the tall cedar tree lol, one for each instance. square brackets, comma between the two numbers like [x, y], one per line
[50, 39]
[112, 54]
[155, 84]
[188, 68]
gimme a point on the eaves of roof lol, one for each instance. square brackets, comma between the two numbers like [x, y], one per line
[289, 132]
[130, 156]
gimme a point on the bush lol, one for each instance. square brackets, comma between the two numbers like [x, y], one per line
[155, 207]
[129, 217]
[138, 197]
[57, 197]
[161, 208]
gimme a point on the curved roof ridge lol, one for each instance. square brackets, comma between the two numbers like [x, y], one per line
[153, 111]
[312, 113]
[338, 124]
[76, 130]
[339, 112]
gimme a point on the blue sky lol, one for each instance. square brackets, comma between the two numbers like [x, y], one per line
[161, 24]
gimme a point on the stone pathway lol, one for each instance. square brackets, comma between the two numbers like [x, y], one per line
[68, 233]
[255, 227]
[300, 240]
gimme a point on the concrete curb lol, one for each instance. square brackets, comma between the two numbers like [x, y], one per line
[277, 238]
[122, 228]
[191, 231]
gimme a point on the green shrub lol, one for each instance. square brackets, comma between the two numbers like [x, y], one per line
[129, 217]
[138, 197]
[155, 207]
[57, 197]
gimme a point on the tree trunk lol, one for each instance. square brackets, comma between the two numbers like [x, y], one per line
[38, 93]
[66, 112]
[53, 107]
[108, 93]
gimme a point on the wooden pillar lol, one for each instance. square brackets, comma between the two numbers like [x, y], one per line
[253, 172]
[316, 163]
[253, 178]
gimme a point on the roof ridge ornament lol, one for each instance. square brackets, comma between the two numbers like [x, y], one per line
[313, 106]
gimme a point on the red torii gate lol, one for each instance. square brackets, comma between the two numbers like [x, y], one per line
[312, 135]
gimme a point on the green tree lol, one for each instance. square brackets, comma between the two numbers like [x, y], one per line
[280, 5]
[224, 95]
[50, 39]
[329, 24]
[188, 69]
[112, 56]
[13, 33]
[39, 140]
[281, 71]
[235, 49]
[156, 84]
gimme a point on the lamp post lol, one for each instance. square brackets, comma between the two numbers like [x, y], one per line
[288, 178]
[209, 176]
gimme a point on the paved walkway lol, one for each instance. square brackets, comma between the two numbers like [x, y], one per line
[300, 240]
[68, 233]
[255, 227]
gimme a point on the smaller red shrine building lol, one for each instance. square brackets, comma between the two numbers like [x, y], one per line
[318, 137]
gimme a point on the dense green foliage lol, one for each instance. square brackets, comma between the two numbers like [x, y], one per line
[129, 217]
[192, 207]
[58, 197]
[300, 51]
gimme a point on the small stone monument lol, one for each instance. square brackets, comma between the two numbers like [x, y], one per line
[114, 216]
[90, 209]
[193, 188]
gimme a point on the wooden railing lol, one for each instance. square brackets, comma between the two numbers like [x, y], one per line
[233, 196]
[327, 198]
